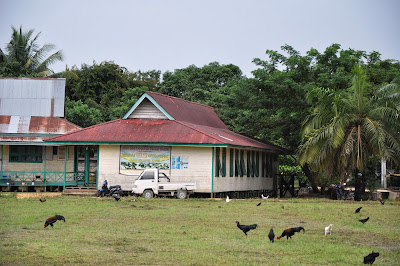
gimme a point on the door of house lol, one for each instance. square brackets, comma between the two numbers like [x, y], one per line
[86, 166]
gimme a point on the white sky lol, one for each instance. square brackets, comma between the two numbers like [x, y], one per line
[168, 35]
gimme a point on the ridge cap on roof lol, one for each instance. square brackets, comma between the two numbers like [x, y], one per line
[168, 96]
[83, 129]
[195, 129]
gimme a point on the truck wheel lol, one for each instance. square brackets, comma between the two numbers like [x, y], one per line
[181, 194]
[148, 194]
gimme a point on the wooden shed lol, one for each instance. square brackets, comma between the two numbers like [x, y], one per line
[186, 140]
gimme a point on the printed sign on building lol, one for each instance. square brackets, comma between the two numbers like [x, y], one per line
[180, 162]
[144, 157]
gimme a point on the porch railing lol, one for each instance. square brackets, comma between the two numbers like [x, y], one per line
[22, 178]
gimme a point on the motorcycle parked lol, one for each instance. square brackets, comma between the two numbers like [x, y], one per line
[113, 190]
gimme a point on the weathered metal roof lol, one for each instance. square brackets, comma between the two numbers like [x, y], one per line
[182, 110]
[33, 128]
[159, 132]
[32, 96]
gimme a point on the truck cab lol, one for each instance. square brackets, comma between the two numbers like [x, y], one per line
[151, 182]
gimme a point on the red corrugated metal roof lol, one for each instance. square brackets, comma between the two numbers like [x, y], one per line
[182, 110]
[159, 131]
[31, 125]
[194, 123]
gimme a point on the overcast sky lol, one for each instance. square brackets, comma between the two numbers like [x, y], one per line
[168, 35]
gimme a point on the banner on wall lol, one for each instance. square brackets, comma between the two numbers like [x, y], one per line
[180, 162]
[144, 157]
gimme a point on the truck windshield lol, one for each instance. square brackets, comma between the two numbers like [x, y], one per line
[147, 175]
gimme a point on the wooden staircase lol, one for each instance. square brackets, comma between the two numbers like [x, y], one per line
[80, 191]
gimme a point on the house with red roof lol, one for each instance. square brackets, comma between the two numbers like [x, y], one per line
[32, 109]
[187, 141]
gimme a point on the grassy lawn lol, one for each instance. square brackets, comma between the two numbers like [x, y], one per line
[194, 231]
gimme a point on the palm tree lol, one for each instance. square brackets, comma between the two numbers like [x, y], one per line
[347, 127]
[24, 49]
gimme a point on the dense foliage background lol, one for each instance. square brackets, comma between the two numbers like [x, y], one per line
[270, 106]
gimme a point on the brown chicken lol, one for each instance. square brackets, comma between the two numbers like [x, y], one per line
[290, 232]
[53, 219]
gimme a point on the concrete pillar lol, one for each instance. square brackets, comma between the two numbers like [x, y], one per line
[383, 173]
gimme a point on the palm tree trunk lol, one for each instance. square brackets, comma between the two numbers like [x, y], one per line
[311, 176]
[359, 185]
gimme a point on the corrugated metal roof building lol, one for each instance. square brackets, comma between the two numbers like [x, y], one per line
[187, 140]
[32, 109]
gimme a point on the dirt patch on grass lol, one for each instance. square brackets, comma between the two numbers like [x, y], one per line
[37, 195]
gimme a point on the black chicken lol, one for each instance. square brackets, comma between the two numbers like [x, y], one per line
[42, 200]
[53, 219]
[271, 235]
[364, 220]
[290, 232]
[246, 228]
[259, 204]
[370, 258]
[116, 198]
[358, 210]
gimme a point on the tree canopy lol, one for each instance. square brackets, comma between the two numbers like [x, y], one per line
[347, 127]
[344, 115]
[23, 56]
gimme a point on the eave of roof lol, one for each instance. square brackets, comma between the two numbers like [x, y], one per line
[32, 129]
[159, 132]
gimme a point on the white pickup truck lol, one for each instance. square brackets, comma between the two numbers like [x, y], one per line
[151, 182]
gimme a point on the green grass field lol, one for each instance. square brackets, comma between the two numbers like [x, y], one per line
[194, 231]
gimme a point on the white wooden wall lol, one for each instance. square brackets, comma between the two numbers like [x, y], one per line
[52, 162]
[199, 170]
[244, 183]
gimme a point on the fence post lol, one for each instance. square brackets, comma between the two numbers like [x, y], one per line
[65, 165]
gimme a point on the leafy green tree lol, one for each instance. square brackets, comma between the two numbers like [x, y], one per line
[24, 57]
[81, 114]
[272, 105]
[346, 127]
[207, 85]
[106, 86]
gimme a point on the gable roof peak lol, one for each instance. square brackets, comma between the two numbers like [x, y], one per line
[173, 108]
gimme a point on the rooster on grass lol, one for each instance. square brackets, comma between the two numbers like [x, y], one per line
[53, 219]
[290, 232]
[271, 235]
[246, 228]
[364, 220]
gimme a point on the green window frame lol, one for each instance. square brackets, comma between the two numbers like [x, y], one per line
[269, 165]
[242, 165]
[25, 154]
[231, 170]
[223, 169]
[217, 162]
[263, 164]
[238, 169]
[257, 164]
[253, 164]
[249, 165]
